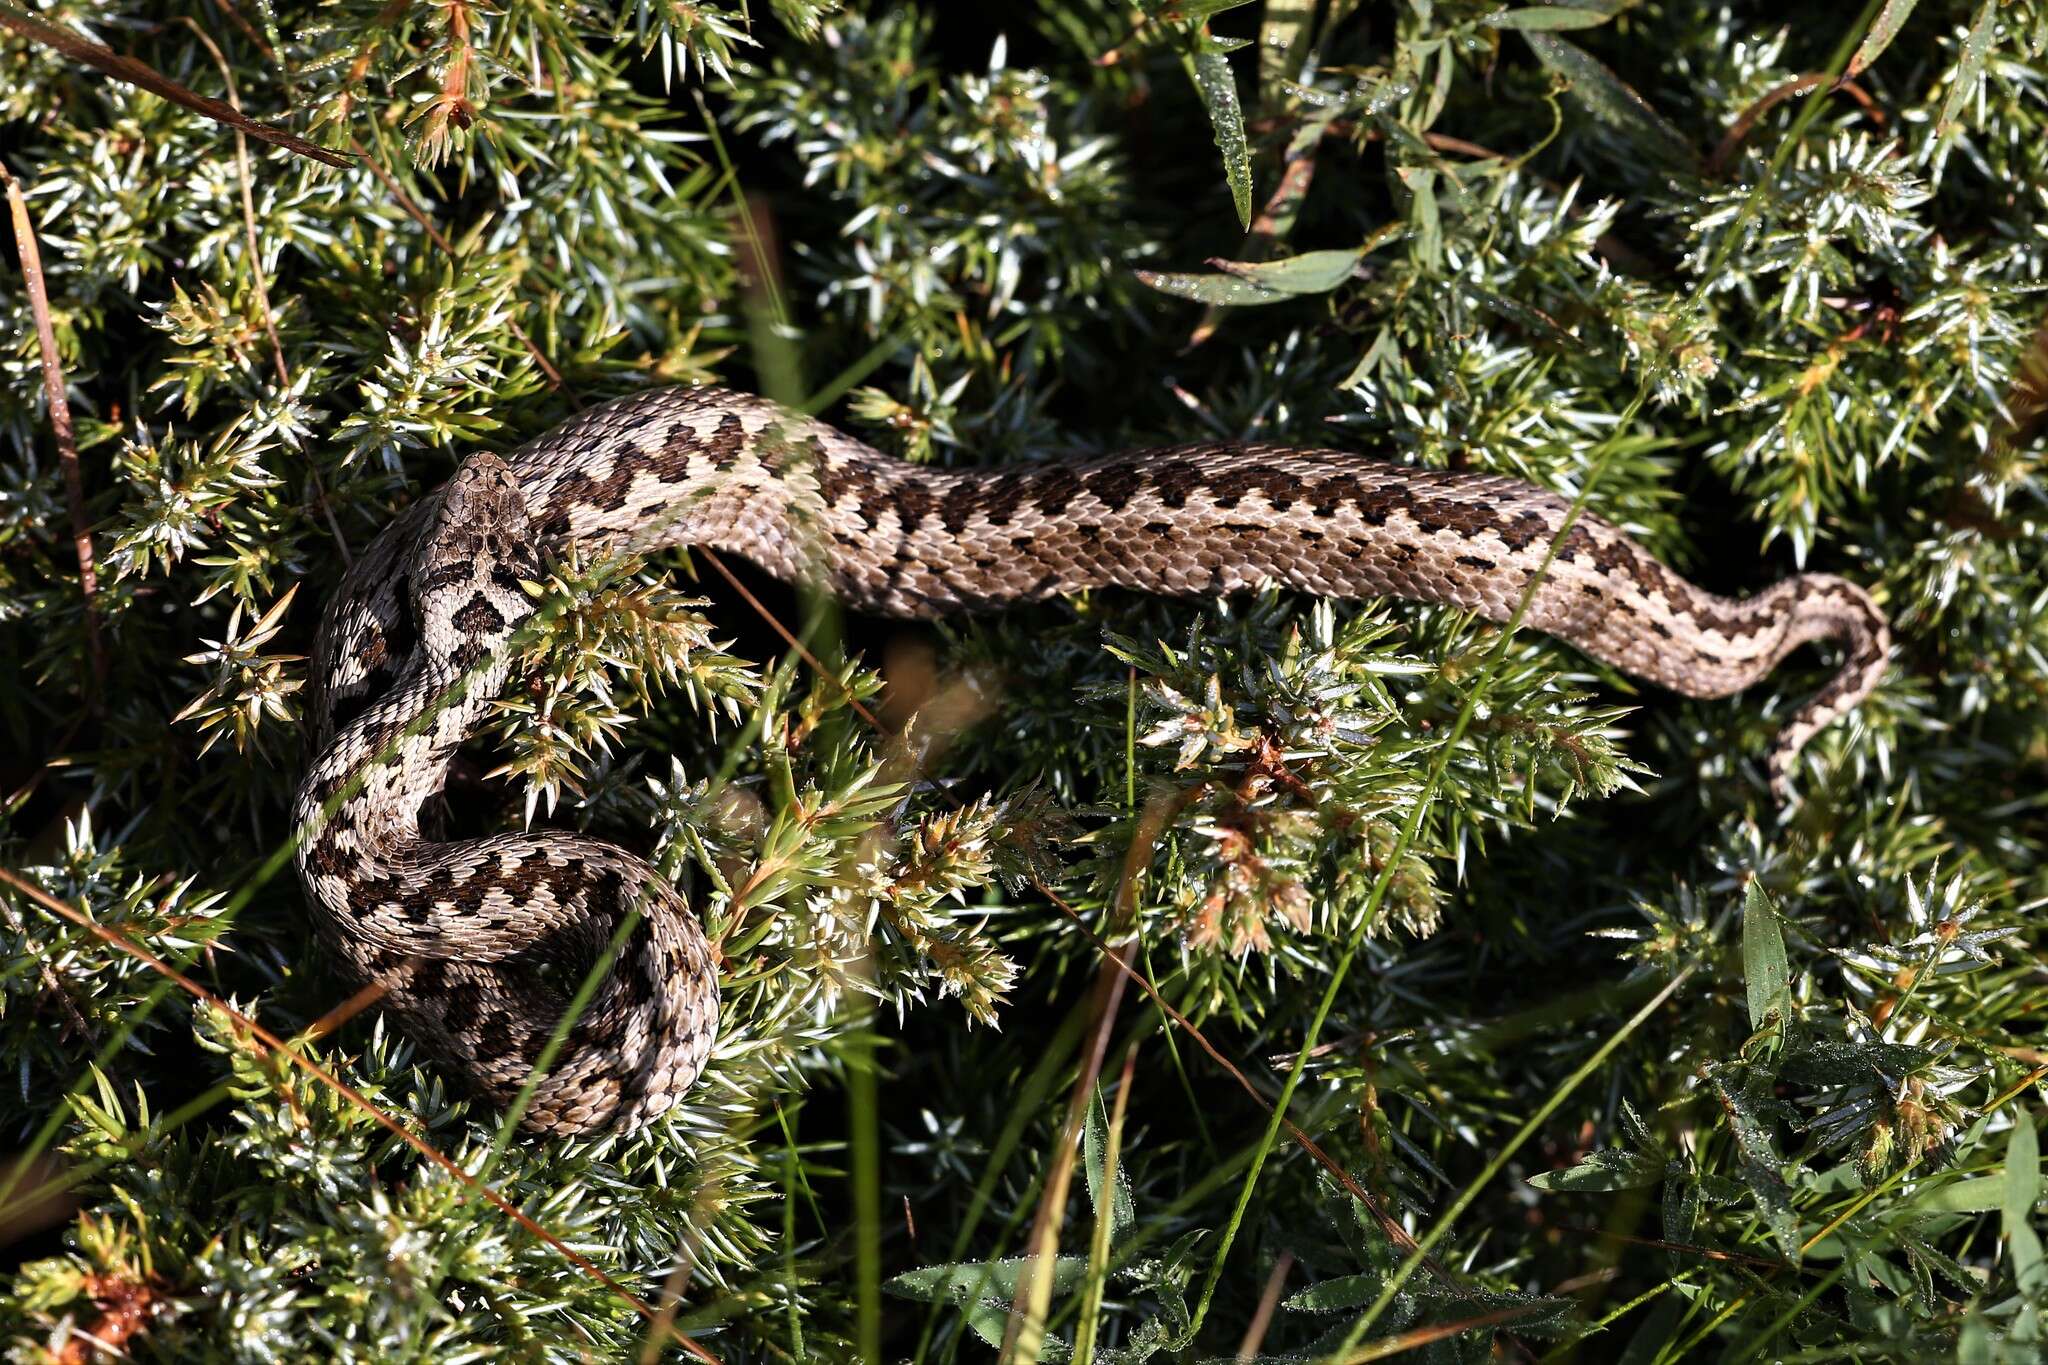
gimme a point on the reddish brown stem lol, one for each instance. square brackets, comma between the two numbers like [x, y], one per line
[1777, 95]
[263, 1040]
[108, 62]
[60, 427]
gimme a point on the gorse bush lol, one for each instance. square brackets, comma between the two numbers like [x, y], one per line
[1115, 978]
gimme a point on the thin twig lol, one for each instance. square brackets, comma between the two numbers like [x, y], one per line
[1731, 141]
[1437, 142]
[276, 1046]
[48, 971]
[1269, 1299]
[1457, 146]
[284, 374]
[1423, 1336]
[1682, 1248]
[549, 372]
[108, 62]
[227, 75]
[403, 199]
[803, 651]
[261, 43]
[60, 427]
[671, 1303]
[348, 1009]
[1026, 1330]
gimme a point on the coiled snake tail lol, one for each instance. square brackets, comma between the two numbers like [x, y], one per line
[479, 944]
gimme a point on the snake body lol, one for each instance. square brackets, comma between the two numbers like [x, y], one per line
[474, 942]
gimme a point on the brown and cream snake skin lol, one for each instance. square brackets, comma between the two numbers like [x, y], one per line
[469, 938]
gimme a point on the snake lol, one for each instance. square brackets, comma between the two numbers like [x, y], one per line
[478, 943]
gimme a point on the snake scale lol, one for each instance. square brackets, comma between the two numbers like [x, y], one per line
[474, 942]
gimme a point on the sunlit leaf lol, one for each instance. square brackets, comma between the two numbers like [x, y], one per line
[1217, 86]
[1891, 17]
[1248, 282]
[1764, 967]
[1969, 70]
[2022, 1190]
[1610, 1169]
[1548, 18]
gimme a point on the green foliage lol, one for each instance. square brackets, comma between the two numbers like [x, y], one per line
[1600, 1052]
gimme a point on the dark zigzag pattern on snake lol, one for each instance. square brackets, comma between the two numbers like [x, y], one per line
[469, 938]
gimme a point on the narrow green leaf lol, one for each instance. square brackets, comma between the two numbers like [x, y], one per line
[1611, 100]
[1335, 1296]
[1548, 18]
[1974, 1342]
[993, 1280]
[991, 1322]
[1825, 1061]
[2022, 1172]
[1637, 1132]
[1611, 1169]
[1383, 349]
[1969, 71]
[1199, 11]
[1764, 968]
[1680, 1210]
[1429, 228]
[1941, 1263]
[1255, 282]
[1981, 1194]
[1312, 272]
[1774, 1199]
[1225, 289]
[1885, 27]
[1753, 1112]
[987, 1321]
[2029, 1266]
[1217, 86]
[1094, 1144]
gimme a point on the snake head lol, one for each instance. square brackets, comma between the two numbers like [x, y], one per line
[478, 546]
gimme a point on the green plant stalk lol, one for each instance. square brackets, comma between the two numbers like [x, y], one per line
[1105, 1222]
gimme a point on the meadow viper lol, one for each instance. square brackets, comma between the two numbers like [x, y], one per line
[475, 941]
